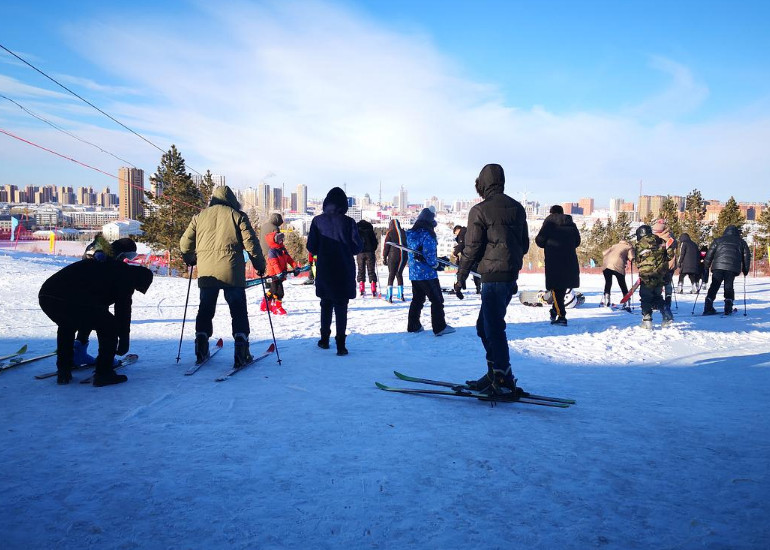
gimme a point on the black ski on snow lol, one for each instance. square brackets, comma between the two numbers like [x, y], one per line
[54, 373]
[21, 361]
[22, 351]
[218, 347]
[127, 360]
[476, 395]
[464, 387]
[235, 370]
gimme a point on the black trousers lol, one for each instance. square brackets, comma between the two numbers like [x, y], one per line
[718, 276]
[71, 318]
[430, 289]
[276, 288]
[608, 275]
[340, 310]
[693, 277]
[396, 265]
[651, 297]
[366, 264]
[558, 301]
[236, 299]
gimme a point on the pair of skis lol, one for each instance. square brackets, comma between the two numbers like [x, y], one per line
[462, 390]
[127, 360]
[235, 370]
[17, 359]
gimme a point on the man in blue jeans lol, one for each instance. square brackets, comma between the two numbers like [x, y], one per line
[497, 239]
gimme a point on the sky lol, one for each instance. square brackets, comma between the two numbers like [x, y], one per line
[574, 99]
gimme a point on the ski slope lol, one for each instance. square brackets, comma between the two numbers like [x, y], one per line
[667, 447]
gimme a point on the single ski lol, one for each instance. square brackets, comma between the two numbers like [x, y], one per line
[127, 360]
[21, 361]
[630, 293]
[475, 395]
[235, 370]
[250, 283]
[217, 348]
[464, 387]
[54, 373]
[22, 351]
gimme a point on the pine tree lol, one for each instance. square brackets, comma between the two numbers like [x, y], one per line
[694, 214]
[619, 230]
[295, 245]
[762, 237]
[730, 215]
[669, 212]
[177, 201]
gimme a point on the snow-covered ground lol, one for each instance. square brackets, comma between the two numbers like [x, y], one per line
[667, 447]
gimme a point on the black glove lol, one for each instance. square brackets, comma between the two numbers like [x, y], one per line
[190, 258]
[260, 269]
[123, 343]
[296, 271]
[458, 288]
[745, 273]
[419, 258]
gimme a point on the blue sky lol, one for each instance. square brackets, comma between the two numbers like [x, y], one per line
[573, 98]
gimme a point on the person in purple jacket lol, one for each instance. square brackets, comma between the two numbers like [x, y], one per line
[334, 240]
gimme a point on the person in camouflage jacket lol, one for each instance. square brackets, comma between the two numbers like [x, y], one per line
[652, 260]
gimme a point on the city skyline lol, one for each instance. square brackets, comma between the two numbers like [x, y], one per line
[365, 93]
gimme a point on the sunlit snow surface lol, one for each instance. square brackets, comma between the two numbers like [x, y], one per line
[668, 446]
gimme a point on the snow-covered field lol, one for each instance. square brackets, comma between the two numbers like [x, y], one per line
[667, 447]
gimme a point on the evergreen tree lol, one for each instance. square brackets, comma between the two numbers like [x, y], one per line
[694, 214]
[619, 230]
[177, 201]
[669, 211]
[762, 236]
[295, 245]
[730, 215]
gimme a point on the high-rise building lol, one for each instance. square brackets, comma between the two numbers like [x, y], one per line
[86, 196]
[276, 199]
[403, 200]
[587, 206]
[131, 192]
[13, 193]
[293, 202]
[263, 197]
[302, 199]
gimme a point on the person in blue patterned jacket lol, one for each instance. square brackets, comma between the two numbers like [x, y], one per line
[422, 273]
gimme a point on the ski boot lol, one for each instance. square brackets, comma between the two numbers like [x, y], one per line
[552, 314]
[708, 309]
[264, 305]
[560, 320]
[341, 349]
[446, 330]
[323, 343]
[729, 309]
[242, 356]
[362, 288]
[401, 295]
[201, 347]
[389, 294]
[694, 289]
[277, 308]
[496, 382]
[374, 289]
[81, 356]
[680, 288]
[63, 375]
[668, 317]
[647, 321]
[606, 299]
[107, 377]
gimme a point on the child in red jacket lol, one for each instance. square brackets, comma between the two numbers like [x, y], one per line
[278, 259]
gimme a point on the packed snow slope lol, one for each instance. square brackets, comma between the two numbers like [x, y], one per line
[668, 445]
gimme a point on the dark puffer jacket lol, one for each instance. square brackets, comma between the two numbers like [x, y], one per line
[729, 253]
[334, 240]
[368, 237]
[497, 236]
[689, 256]
[559, 236]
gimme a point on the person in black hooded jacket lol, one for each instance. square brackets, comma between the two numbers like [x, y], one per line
[78, 297]
[497, 238]
[727, 257]
[559, 236]
[334, 240]
[395, 258]
[688, 263]
[366, 259]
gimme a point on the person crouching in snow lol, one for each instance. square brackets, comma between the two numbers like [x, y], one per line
[78, 298]
[652, 259]
[278, 259]
[422, 273]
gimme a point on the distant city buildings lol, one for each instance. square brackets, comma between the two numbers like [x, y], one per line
[131, 192]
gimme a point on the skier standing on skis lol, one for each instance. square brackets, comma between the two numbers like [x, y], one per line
[614, 261]
[334, 240]
[78, 298]
[497, 238]
[395, 259]
[460, 233]
[727, 257]
[278, 259]
[652, 259]
[688, 263]
[660, 229]
[559, 236]
[366, 259]
[215, 240]
[422, 273]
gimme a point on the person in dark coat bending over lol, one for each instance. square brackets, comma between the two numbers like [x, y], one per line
[497, 239]
[334, 240]
[559, 236]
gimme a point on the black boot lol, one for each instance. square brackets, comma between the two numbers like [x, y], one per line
[323, 343]
[483, 382]
[341, 349]
[242, 356]
[63, 376]
[708, 309]
[108, 378]
[201, 347]
[728, 307]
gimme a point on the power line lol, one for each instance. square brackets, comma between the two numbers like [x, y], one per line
[20, 106]
[87, 102]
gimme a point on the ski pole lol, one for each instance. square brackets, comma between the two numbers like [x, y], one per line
[744, 295]
[631, 298]
[676, 302]
[696, 299]
[270, 319]
[184, 316]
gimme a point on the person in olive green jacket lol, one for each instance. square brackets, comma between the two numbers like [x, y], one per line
[215, 241]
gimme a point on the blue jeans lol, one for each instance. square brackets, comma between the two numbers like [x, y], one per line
[490, 325]
[236, 299]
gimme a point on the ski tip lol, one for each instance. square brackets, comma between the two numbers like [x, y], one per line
[22, 349]
[220, 343]
[381, 386]
[271, 349]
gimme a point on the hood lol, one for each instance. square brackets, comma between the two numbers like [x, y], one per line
[731, 231]
[427, 217]
[270, 240]
[684, 238]
[491, 181]
[364, 225]
[560, 219]
[224, 195]
[276, 219]
[142, 278]
[336, 201]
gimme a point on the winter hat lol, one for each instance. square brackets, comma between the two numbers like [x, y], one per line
[336, 201]
[279, 237]
[557, 209]
[427, 216]
[659, 227]
[123, 248]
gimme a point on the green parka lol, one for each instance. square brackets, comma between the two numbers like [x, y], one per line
[217, 238]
